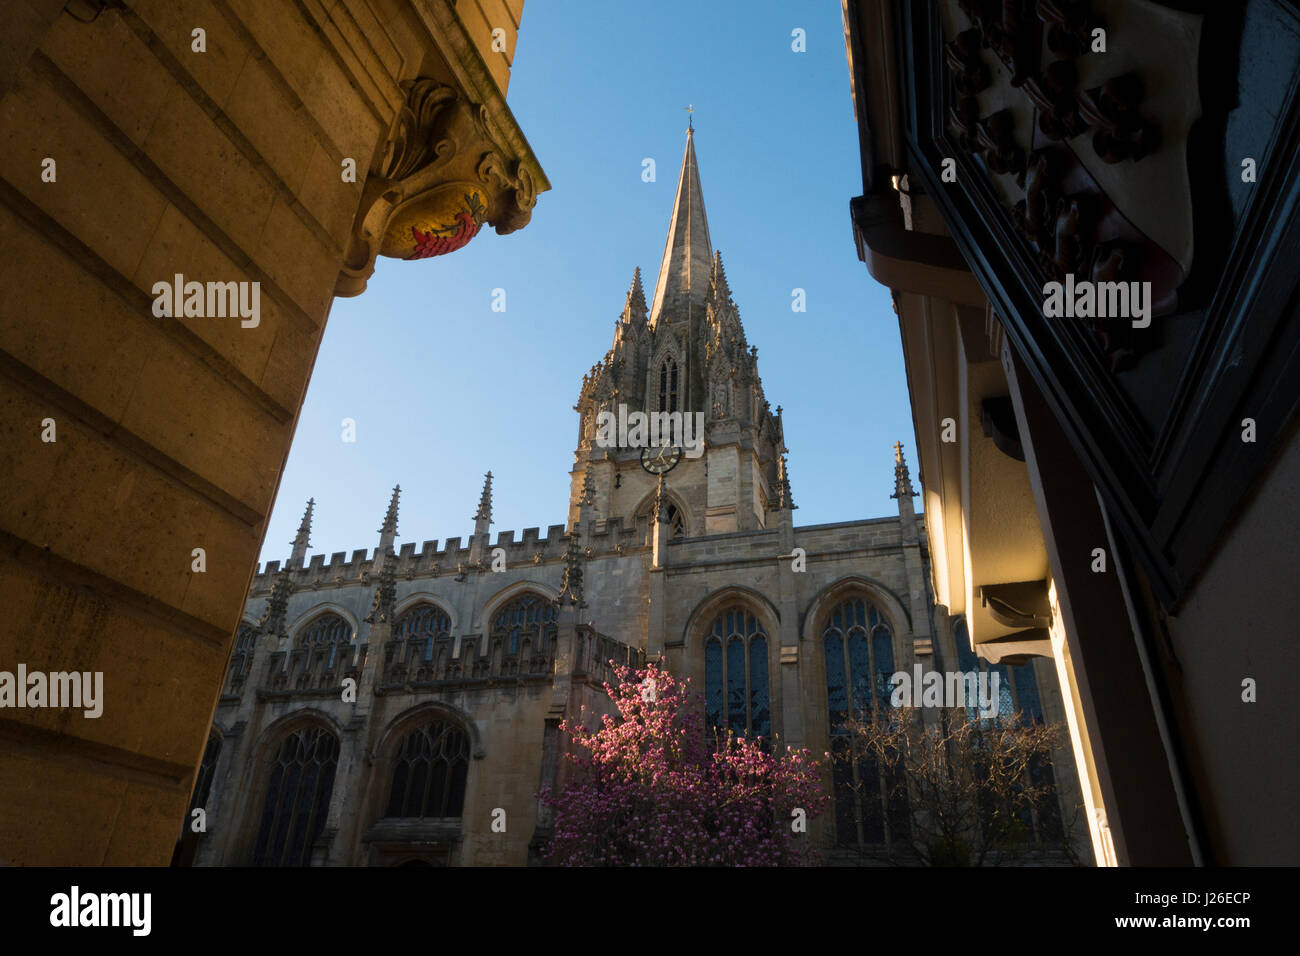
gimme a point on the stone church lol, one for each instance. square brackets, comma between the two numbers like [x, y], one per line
[402, 706]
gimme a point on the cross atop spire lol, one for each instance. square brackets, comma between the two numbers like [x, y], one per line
[685, 270]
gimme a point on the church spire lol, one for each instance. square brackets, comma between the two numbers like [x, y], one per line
[684, 272]
[302, 540]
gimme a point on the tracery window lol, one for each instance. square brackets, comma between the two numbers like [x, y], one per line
[430, 770]
[422, 625]
[859, 661]
[297, 800]
[242, 656]
[326, 633]
[736, 695]
[529, 618]
[668, 385]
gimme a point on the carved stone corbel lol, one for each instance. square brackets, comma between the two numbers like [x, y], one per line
[440, 178]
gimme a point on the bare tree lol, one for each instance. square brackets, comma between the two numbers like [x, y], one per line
[977, 792]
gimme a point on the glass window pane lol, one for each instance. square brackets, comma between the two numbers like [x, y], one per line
[760, 714]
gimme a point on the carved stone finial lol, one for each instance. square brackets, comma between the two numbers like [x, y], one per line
[483, 516]
[785, 499]
[302, 540]
[390, 516]
[902, 479]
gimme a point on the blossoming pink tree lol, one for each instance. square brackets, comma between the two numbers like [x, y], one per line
[649, 787]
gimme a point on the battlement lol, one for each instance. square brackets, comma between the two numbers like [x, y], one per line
[530, 548]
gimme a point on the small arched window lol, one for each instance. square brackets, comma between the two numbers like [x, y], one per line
[246, 637]
[668, 385]
[736, 696]
[673, 516]
[429, 772]
[529, 618]
[421, 625]
[297, 800]
[326, 633]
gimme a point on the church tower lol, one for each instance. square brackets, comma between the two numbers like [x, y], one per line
[686, 353]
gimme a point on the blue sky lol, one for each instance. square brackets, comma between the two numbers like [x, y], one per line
[442, 388]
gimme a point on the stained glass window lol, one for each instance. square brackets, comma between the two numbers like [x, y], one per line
[326, 633]
[529, 618]
[421, 625]
[429, 773]
[736, 691]
[297, 798]
[869, 808]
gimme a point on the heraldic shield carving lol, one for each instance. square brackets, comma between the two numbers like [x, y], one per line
[442, 175]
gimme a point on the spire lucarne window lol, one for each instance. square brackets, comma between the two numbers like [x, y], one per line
[668, 386]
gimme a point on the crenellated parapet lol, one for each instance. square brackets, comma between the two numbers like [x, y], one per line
[615, 537]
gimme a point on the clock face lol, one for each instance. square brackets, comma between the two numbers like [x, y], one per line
[660, 459]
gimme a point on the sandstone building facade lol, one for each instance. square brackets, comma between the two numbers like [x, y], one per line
[279, 144]
[465, 655]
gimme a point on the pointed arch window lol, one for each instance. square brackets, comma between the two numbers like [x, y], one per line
[241, 660]
[429, 772]
[736, 693]
[668, 385]
[420, 626]
[528, 619]
[297, 800]
[325, 634]
[859, 661]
